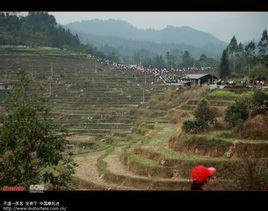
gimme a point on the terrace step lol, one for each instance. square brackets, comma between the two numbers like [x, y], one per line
[115, 172]
[168, 162]
[87, 176]
[212, 102]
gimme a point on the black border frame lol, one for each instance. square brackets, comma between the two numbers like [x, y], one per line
[134, 5]
[141, 199]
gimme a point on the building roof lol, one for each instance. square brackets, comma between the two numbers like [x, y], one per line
[195, 76]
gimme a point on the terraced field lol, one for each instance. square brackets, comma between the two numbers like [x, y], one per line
[120, 144]
[85, 96]
[154, 159]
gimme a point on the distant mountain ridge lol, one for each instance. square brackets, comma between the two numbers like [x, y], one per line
[170, 34]
[127, 47]
[101, 31]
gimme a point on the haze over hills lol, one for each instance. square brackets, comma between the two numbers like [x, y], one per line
[118, 33]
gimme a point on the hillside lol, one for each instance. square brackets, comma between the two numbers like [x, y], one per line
[120, 144]
[86, 97]
[127, 48]
[160, 156]
[36, 29]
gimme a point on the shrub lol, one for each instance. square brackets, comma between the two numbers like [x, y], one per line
[193, 126]
[259, 102]
[205, 117]
[238, 112]
[255, 128]
[203, 113]
[259, 71]
[247, 105]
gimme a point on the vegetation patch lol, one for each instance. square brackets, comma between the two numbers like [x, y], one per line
[177, 116]
[144, 166]
[200, 144]
[205, 118]
[255, 128]
[222, 94]
[247, 106]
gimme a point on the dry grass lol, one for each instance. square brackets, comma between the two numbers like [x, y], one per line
[80, 138]
[176, 116]
[174, 98]
[256, 128]
[193, 93]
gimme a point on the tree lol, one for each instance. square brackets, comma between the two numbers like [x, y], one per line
[159, 62]
[224, 70]
[203, 60]
[32, 147]
[246, 106]
[240, 48]
[263, 44]
[232, 47]
[237, 113]
[174, 54]
[204, 113]
[114, 57]
[186, 59]
[241, 60]
[250, 48]
[250, 53]
[259, 71]
[137, 58]
[169, 59]
[233, 52]
[205, 118]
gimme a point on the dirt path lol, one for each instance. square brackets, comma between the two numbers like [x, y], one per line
[88, 171]
[115, 164]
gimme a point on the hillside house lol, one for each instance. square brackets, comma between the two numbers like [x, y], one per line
[198, 79]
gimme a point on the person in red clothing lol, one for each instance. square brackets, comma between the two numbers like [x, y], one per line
[201, 176]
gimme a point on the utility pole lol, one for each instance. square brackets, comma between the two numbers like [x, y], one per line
[95, 66]
[51, 77]
[145, 76]
[143, 92]
[143, 97]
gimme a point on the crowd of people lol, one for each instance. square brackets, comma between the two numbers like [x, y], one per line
[258, 84]
[255, 84]
[170, 75]
[164, 73]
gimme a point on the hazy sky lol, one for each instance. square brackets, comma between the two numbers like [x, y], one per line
[244, 25]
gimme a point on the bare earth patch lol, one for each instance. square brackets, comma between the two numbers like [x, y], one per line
[88, 171]
[80, 138]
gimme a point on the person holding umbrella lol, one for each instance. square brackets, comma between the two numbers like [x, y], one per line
[201, 176]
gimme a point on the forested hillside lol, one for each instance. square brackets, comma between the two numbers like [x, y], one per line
[35, 29]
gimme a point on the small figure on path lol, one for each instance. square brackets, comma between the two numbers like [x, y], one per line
[201, 176]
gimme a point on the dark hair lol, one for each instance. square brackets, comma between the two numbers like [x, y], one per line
[197, 185]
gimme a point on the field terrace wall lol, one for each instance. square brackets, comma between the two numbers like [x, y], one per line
[85, 96]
